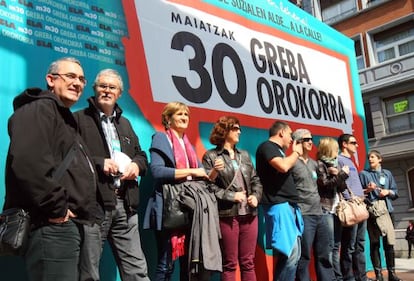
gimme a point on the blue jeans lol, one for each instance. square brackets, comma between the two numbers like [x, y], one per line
[286, 266]
[165, 264]
[53, 252]
[353, 252]
[121, 231]
[317, 235]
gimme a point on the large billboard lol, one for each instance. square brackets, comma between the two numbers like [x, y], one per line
[258, 60]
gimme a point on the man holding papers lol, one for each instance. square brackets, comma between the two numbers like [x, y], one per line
[119, 161]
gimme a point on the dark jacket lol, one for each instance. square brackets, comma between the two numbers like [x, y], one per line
[91, 131]
[329, 185]
[42, 131]
[225, 194]
[204, 240]
[409, 234]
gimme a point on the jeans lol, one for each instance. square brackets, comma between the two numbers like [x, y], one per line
[375, 236]
[53, 252]
[410, 243]
[238, 244]
[165, 264]
[90, 254]
[286, 266]
[122, 233]
[353, 252]
[317, 235]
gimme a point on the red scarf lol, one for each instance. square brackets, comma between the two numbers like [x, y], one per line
[180, 155]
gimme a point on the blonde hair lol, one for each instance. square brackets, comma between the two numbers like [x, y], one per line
[327, 147]
[170, 109]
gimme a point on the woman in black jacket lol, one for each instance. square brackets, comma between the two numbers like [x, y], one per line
[331, 181]
[239, 192]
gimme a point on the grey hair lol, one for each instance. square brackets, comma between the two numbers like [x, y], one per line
[299, 133]
[54, 66]
[109, 72]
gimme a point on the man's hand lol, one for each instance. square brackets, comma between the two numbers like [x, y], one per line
[110, 167]
[131, 172]
[64, 219]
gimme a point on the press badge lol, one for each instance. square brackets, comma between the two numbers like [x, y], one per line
[116, 145]
[314, 175]
[382, 179]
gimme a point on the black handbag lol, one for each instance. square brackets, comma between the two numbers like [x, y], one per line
[14, 231]
[174, 215]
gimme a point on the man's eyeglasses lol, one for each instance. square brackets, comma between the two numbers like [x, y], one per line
[109, 87]
[353, 142]
[71, 77]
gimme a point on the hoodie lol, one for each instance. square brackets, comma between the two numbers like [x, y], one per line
[42, 130]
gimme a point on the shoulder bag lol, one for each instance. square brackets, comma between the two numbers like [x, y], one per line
[352, 211]
[15, 222]
[14, 231]
[173, 214]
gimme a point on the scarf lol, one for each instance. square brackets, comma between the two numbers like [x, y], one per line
[180, 154]
[330, 162]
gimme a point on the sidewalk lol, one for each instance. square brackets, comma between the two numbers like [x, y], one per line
[403, 267]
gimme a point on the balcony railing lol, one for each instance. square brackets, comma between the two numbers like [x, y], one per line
[387, 73]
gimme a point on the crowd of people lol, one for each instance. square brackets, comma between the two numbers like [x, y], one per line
[96, 199]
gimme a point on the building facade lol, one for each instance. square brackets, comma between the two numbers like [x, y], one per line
[383, 32]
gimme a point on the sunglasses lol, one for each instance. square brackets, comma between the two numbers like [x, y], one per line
[307, 139]
[353, 142]
[236, 128]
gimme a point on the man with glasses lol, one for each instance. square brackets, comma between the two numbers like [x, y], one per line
[119, 160]
[349, 247]
[43, 132]
[284, 224]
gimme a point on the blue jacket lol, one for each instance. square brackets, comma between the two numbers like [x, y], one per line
[162, 167]
[282, 227]
[367, 176]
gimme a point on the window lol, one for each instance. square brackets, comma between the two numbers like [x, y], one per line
[374, 2]
[400, 113]
[333, 10]
[368, 121]
[394, 42]
[411, 185]
[359, 54]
